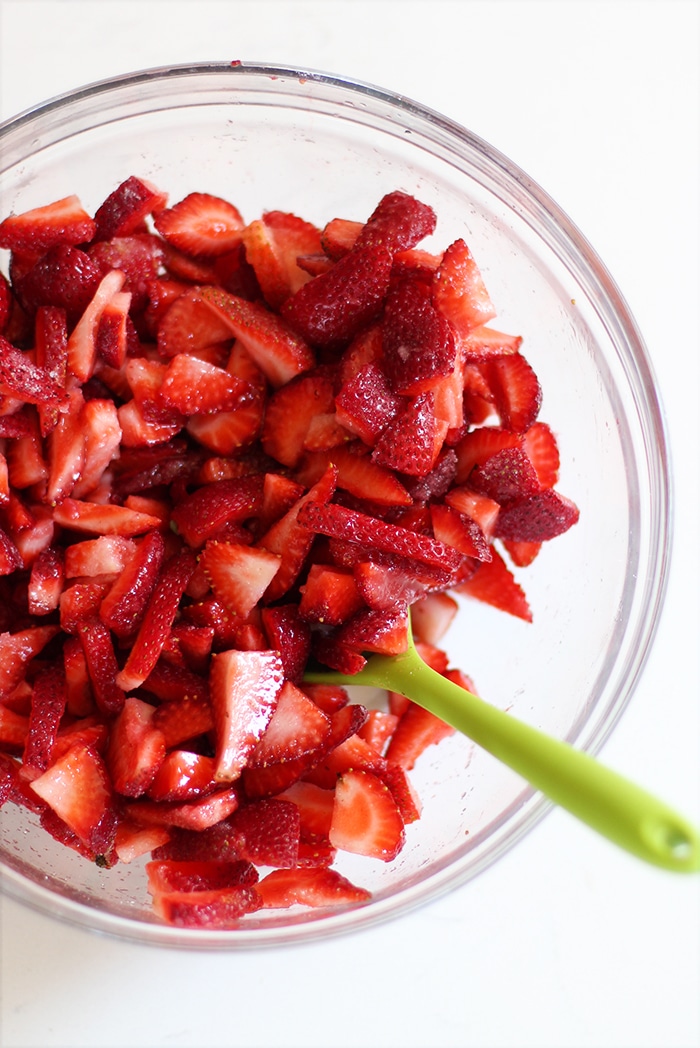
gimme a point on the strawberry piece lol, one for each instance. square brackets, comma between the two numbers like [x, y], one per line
[96, 519]
[289, 413]
[124, 606]
[316, 887]
[412, 441]
[459, 291]
[82, 342]
[540, 446]
[188, 325]
[66, 450]
[398, 223]
[126, 208]
[77, 788]
[10, 558]
[47, 709]
[482, 342]
[384, 586]
[418, 342]
[478, 507]
[136, 749]
[227, 432]
[132, 841]
[46, 581]
[431, 617]
[366, 819]
[80, 604]
[267, 832]
[477, 447]
[333, 307]
[139, 257]
[112, 334]
[378, 729]
[416, 731]
[384, 631]
[215, 908]
[194, 387]
[168, 875]
[171, 680]
[315, 809]
[245, 687]
[197, 815]
[64, 278]
[202, 225]
[202, 514]
[538, 518]
[516, 390]
[184, 719]
[101, 665]
[182, 776]
[101, 436]
[339, 522]
[339, 236]
[157, 620]
[62, 222]
[332, 652]
[104, 556]
[291, 540]
[296, 727]
[507, 475]
[458, 531]
[16, 652]
[14, 730]
[79, 698]
[6, 302]
[329, 697]
[19, 377]
[358, 474]
[366, 403]
[329, 596]
[494, 584]
[521, 553]
[239, 575]
[288, 633]
[272, 344]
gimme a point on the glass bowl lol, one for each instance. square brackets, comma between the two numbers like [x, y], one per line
[321, 146]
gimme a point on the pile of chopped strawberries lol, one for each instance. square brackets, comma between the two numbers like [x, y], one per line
[230, 451]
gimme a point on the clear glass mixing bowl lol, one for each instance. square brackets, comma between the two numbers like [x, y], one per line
[322, 147]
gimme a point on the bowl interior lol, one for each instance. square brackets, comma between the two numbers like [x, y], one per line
[309, 143]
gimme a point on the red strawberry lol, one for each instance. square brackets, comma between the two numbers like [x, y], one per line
[493, 583]
[378, 729]
[538, 518]
[521, 553]
[201, 225]
[188, 324]
[197, 815]
[139, 257]
[102, 436]
[412, 441]
[64, 278]
[63, 222]
[516, 389]
[17, 650]
[123, 607]
[333, 307]
[272, 344]
[483, 342]
[112, 334]
[477, 446]
[296, 727]
[239, 575]
[14, 730]
[272, 246]
[289, 412]
[383, 631]
[459, 531]
[398, 223]
[315, 808]
[132, 841]
[418, 343]
[219, 908]
[104, 556]
[245, 688]
[19, 377]
[506, 475]
[46, 581]
[431, 617]
[384, 586]
[357, 474]
[6, 301]
[470, 503]
[136, 748]
[125, 209]
[194, 387]
[82, 342]
[288, 633]
[95, 519]
[329, 596]
[168, 875]
[459, 291]
[366, 819]
[339, 236]
[317, 887]
[366, 404]
[184, 719]
[540, 446]
[10, 557]
[157, 620]
[202, 514]
[77, 788]
[416, 730]
[182, 776]
[267, 832]
[102, 665]
[227, 432]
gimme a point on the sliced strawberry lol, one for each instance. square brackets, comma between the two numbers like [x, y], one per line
[418, 343]
[194, 387]
[183, 719]
[378, 729]
[77, 788]
[384, 586]
[215, 908]
[112, 334]
[6, 302]
[274, 346]
[470, 503]
[239, 575]
[101, 664]
[538, 518]
[136, 749]
[202, 514]
[315, 808]
[126, 207]
[516, 389]
[288, 633]
[366, 403]
[46, 581]
[329, 697]
[540, 446]
[14, 730]
[267, 832]
[366, 819]
[413, 440]
[506, 475]
[106, 555]
[82, 342]
[182, 776]
[382, 631]
[357, 474]
[339, 236]
[79, 697]
[296, 727]
[188, 324]
[139, 257]
[398, 223]
[483, 342]
[16, 652]
[431, 617]
[19, 377]
[95, 519]
[10, 557]
[227, 432]
[198, 815]
[329, 596]
[521, 553]
[316, 887]
[63, 222]
[333, 307]
[477, 446]
[202, 225]
[245, 688]
[494, 584]
[64, 278]
[157, 620]
[289, 413]
[417, 729]
[102, 437]
[48, 707]
[124, 606]
[168, 875]
[459, 291]
[133, 841]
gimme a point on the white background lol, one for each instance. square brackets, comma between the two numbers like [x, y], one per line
[565, 943]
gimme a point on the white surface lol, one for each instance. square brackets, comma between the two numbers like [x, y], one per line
[565, 943]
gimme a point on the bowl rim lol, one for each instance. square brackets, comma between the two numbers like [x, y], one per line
[533, 807]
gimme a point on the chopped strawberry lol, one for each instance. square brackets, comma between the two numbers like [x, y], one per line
[480, 508]
[124, 606]
[197, 815]
[366, 404]
[516, 390]
[339, 236]
[228, 432]
[168, 875]
[459, 291]
[329, 596]
[139, 257]
[357, 474]
[267, 832]
[418, 343]
[193, 387]
[183, 719]
[95, 519]
[16, 652]
[289, 634]
[82, 342]
[479, 444]
[398, 223]
[48, 706]
[417, 729]
[64, 278]
[201, 224]
[383, 631]
[378, 729]
[431, 617]
[136, 748]
[536, 518]
[296, 726]
[521, 553]
[412, 441]
[102, 665]
[182, 776]
[506, 475]
[366, 819]
[14, 730]
[540, 446]
[245, 688]
[202, 514]
[126, 207]
[19, 377]
[219, 908]
[493, 583]
[315, 808]
[46, 581]
[188, 324]
[289, 413]
[239, 575]
[333, 307]
[317, 887]
[63, 222]
[483, 342]
[112, 334]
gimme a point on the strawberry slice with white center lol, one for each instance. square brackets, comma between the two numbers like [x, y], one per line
[289, 413]
[459, 291]
[108, 519]
[125, 603]
[82, 341]
[182, 776]
[202, 225]
[239, 575]
[296, 727]
[46, 581]
[540, 446]
[245, 688]
[136, 748]
[77, 788]
[194, 387]
[315, 887]
[416, 731]
[126, 208]
[273, 345]
[459, 531]
[366, 819]
[102, 437]
[64, 221]
[188, 325]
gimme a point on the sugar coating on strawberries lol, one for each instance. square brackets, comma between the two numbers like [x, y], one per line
[234, 448]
